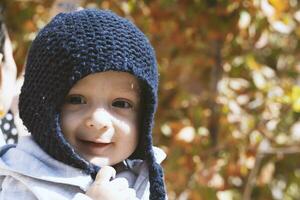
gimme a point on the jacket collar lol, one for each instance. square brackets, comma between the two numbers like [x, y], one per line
[44, 167]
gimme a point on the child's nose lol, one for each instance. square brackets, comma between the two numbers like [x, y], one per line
[99, 119]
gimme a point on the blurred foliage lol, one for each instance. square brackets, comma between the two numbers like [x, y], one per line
[229, 108]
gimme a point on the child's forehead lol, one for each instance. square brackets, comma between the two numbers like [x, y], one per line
[121, 81]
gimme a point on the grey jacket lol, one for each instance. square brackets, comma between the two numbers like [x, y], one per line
[28, 173]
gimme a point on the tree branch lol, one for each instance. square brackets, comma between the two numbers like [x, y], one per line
[216, 74]
[261, 154]
[252, 178]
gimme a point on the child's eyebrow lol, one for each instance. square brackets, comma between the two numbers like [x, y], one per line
[130, 87]
[134, 91]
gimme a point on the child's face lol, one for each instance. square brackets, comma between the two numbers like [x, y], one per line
[100, 117]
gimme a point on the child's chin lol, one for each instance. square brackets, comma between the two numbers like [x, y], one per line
[100, 161]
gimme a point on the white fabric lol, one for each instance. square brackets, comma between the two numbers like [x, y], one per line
[28, 173]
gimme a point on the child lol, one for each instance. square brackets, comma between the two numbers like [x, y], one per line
[88, 99]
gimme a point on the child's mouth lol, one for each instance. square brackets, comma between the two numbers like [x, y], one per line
[95, 145]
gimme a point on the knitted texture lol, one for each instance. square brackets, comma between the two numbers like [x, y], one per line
[66, 50]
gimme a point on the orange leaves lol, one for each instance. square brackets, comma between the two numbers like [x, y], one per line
[257, 95]
[29, 26]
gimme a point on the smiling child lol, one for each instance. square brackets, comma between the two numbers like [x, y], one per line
[88, 100]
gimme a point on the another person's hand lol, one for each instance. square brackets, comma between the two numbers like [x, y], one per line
[8, 73]
[106, 189]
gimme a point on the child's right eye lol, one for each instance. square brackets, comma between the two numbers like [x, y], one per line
[75, 99]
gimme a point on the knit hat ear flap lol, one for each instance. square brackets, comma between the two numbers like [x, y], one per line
[144, 149]
[157, 187]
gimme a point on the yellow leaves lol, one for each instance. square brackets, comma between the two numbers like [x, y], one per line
[274, 7]
[295, 97]
[252, 63]
[255, 137]
[280, 5]
[285, 26]
[292, 97]
[275, 10]
[244, 170]
[262, 75]
[128, 6]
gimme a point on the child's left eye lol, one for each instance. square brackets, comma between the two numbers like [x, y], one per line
[122, 104]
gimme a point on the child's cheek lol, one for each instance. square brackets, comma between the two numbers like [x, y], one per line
[123, 126]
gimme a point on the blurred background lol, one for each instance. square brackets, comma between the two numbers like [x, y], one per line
[229, 99]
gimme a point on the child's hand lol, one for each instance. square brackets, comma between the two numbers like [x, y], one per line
[104, 189]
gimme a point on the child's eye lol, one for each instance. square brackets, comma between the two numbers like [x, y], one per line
[75, 99]
[122, 104]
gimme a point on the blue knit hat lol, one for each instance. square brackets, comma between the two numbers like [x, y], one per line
[72, 46]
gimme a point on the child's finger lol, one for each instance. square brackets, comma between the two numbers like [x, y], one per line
[120, 183]
[105, 174]
[129, 194]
